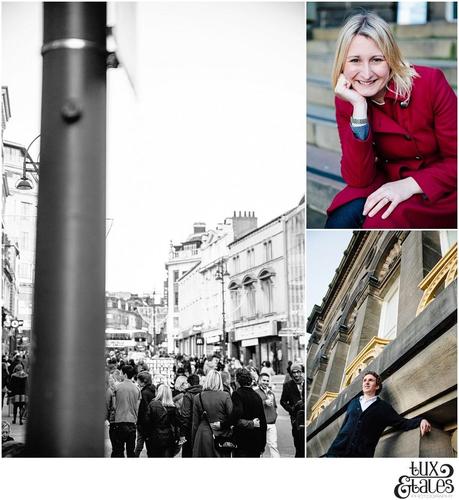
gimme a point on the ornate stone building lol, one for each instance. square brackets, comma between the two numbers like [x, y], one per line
[391, 308]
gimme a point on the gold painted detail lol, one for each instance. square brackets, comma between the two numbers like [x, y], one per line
[445, 271]
[322, 403]
[363, 359]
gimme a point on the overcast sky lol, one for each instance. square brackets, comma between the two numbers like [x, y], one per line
[216, 124]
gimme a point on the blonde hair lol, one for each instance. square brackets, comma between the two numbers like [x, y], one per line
[213, 381]
[164, 395]
[372, 26]
[180, 382]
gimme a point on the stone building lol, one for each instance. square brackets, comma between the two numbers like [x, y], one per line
[182, 257]
[266, 288]
[392, 308]
[202, 297]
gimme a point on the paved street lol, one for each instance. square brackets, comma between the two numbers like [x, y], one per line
[285, 440]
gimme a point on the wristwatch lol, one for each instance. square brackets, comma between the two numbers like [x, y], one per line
[359, 121]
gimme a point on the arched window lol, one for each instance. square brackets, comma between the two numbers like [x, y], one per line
[249, 288]
[235, 294]
[266, 281]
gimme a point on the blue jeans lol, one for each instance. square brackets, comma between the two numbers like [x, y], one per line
[348, 216]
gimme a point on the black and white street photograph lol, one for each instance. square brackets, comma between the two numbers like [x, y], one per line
[153, 229]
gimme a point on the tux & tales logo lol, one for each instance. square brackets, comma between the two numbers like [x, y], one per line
[426, 480]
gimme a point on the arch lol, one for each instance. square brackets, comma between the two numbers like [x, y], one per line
[266, 273]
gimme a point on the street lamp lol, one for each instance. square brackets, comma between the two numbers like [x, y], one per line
[24, 183]
[220, 275]
[154, 323]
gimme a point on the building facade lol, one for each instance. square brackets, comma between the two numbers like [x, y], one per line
[266, 287]
[203, 295]
[182, 257]
[391, 308]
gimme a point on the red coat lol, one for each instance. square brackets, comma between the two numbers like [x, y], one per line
[418, 140]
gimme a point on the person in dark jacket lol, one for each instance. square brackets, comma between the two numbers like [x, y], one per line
[292, 400]
[186, 415]
[366, 418]
[5, 378]
[18, 392]
[147, 394]
[248, 418]
[162, 424]
[211, 417]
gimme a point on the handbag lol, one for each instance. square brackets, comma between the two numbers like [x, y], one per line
[223, 441]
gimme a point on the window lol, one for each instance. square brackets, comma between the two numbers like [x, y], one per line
[389, 313]
[268, 247]
[249, 289]
[176, 276]
[250, 258]
[235, 293]
[267, 289]
[175, 298]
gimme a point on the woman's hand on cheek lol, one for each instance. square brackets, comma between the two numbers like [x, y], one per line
[390, 194]
[345, 91]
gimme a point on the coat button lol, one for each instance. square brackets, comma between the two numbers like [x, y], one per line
[418, 158]
[407, 137]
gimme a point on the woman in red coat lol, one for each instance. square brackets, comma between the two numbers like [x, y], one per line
[398, 130]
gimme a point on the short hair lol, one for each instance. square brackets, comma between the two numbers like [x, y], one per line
[243, 377]
[225, 377]
[164, 395]
[213, 381]
[128, 370]
[370, 25]
[193, 379]
[378, 380]
[264, 374]
[144, 377]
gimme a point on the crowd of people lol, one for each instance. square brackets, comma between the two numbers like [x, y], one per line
[209, 407]
[14, 393]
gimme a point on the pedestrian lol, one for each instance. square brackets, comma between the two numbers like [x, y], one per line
[147, 394]
[397, 124]
[186, 414]
[180, 386]
[126, 403]
[270, 409]
[162, 424]
[211, 416]
[267, 368]
[6, 428]
[17, 389]
[248, 418]
[366, 418]
[292, 400]
[5, 378]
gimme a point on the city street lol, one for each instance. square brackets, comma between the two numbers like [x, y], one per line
[284, 435]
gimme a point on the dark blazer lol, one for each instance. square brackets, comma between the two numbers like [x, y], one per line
[290, 397]
[361, 431]
[416, 139]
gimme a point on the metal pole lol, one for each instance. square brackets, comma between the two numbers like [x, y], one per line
[66, 417]
[223, 310]
[154, 325]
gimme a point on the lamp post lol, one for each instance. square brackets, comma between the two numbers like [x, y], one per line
[154, 323]
[24, 183]
[220, 275]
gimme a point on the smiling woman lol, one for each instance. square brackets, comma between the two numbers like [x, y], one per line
[398, 131]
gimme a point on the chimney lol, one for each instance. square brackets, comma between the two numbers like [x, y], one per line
[199, 227]
[243, 224]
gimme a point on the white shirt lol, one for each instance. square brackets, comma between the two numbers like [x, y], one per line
[365, 403]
